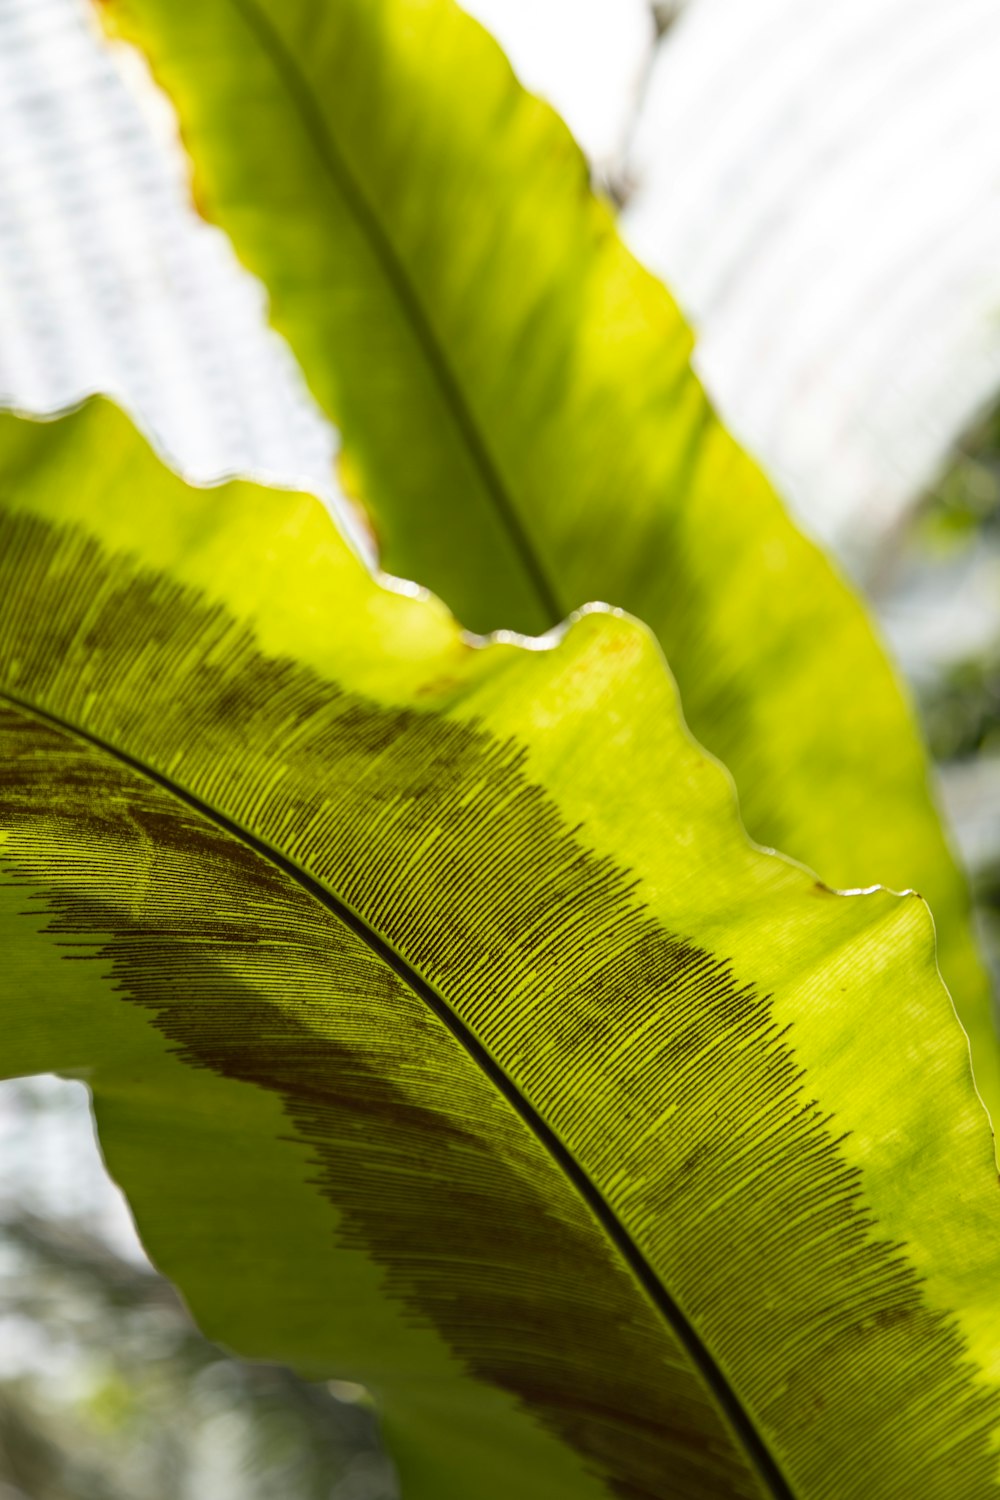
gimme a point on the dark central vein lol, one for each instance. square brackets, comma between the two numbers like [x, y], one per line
[395, 271]
[677, 1320]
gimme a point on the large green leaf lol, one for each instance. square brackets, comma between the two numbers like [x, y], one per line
[519, 415]
[446, 1031]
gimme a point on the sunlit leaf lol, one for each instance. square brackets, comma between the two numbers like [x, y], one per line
[448, 1035]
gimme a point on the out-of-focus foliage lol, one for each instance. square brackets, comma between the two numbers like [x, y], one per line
[935, 577]
[119, 1397]
[961, 705]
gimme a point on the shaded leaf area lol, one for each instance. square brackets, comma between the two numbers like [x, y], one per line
[519, 415]
[145, 1408]
[596, 1131]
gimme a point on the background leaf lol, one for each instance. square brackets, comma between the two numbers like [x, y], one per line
[519, 415]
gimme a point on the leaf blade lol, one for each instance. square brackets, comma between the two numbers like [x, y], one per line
[423, 789]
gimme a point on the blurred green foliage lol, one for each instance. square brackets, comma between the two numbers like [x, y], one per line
[961, 706]
[124, 1400]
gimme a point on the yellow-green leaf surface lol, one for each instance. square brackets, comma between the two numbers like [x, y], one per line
[518, 412]
[447, 1033]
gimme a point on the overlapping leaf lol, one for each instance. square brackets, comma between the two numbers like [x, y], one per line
[447, 1033]
[519, 415]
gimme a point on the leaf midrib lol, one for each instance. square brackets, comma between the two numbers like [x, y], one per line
[701, 1357]
[394, 268]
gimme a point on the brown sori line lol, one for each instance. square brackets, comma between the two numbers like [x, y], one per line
[488, 1225]
[658, 1294]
